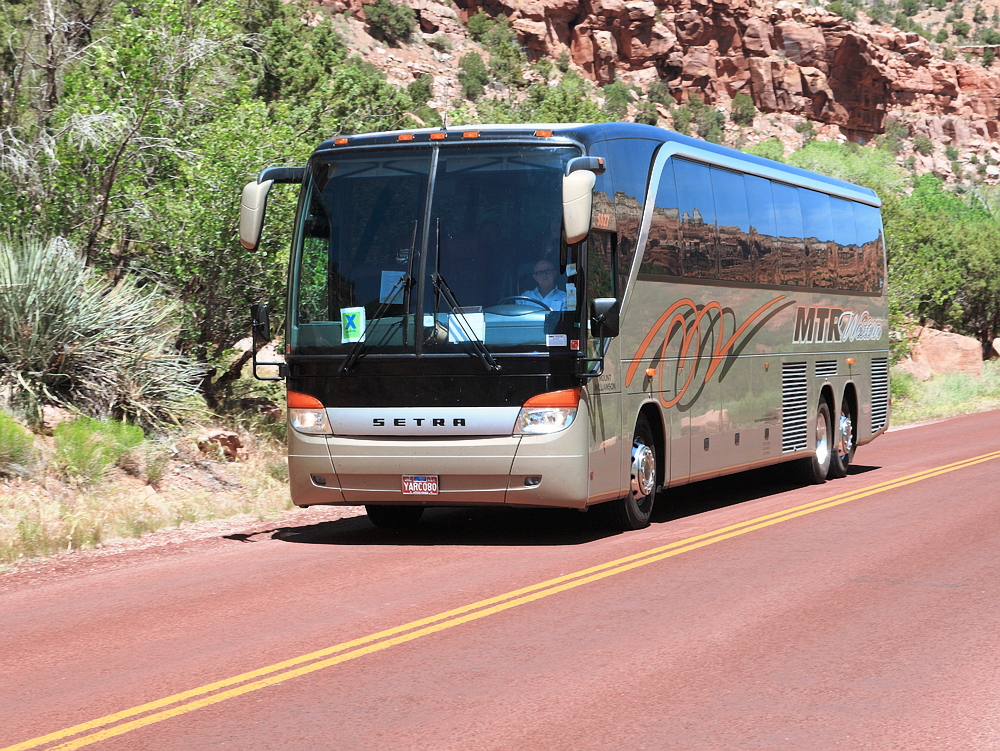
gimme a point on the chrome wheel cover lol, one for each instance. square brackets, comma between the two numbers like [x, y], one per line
[846, 443]
[822, 441]
[643, 470]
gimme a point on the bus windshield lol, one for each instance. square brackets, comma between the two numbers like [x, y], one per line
[472, 251]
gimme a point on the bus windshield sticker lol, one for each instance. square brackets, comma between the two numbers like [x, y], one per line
[389, 280]
[570, 296]
[352, 321]
[466, 327]
[555, 340]
[570, 269]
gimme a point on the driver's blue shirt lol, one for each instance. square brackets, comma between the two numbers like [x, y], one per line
[556, 299]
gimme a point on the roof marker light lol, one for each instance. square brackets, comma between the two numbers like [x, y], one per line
[404, 137]
[543, 133]
[471, 134]
[339, 141]
[438, 136]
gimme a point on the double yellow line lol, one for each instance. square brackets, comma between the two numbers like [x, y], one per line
[214, 693]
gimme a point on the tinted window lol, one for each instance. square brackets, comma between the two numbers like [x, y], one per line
[846, 239]
[733, 221]
[821, 256]
[662, 254]
[629, 161]
[697, 213]
[763, 229]
[868, 224]
[788, 215]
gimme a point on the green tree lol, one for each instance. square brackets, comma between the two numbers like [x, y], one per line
[472, 76]
[743, 110]
[960, 29]
[390, 21]
[616, 99]
[478, 25]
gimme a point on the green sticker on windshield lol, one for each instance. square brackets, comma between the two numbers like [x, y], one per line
[352, 322]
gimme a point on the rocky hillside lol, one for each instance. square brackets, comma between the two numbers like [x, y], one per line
[851, 79]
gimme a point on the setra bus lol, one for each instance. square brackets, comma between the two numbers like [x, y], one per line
[569, 315]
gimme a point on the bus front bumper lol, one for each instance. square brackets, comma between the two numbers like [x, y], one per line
[521, 470]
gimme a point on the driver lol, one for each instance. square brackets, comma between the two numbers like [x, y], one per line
[546, 292]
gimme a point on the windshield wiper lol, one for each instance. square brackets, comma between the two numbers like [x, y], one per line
[443, 290]
[358, 350]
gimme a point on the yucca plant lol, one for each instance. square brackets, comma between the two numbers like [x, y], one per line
[72, 338]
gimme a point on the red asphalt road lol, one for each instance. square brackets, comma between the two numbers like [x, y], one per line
[869, 625]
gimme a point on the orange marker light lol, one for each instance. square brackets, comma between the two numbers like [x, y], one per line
[850, 360]
[303, 401]
[471, 134]
[543, 133]
[438, 136]
[340, 142]
[404, 137]
[650, 372]
[564, 398]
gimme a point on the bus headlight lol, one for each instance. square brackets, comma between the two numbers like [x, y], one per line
[306, 414]
[548, 413]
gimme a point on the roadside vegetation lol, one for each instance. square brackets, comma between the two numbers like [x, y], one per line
[946, 395]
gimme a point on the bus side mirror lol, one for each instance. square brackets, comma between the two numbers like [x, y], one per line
[604, 317]
[252, 207]
[260, 324]
[578, 198]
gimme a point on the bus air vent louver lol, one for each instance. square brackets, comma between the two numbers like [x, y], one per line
[826, 369]
[880, 392]
[794, 407]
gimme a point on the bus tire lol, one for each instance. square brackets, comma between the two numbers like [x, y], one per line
[634, 510]
[394, 517]
[846, 434]
[814, 469]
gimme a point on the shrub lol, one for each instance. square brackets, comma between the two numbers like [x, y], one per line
[17, 447]
[910, 7]
[922, 144]
[69, 336]
[942, 36]
[85, 449]
[506, 56]
[989, 36]
[659, 92]
[390, 21]
[772, 148]
[440, 42]
[478, 25]
[948, 54]
[646, 113]
[951, 153]
[988, 57]
[472, 75]
[843, 10]
[682, 117]
[563, 61]
[961, 29]
[743, 109]
[616, 99]
[420, 90]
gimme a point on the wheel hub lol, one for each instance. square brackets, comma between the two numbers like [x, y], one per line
[846, 435]
[643, 470]
[822, 441]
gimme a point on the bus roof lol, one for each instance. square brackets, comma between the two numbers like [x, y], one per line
[592, 133]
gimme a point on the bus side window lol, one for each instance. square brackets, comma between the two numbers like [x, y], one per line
[733, 219]
[697, 211]
[662, 254]
[846, 238]
[818, 223]
[788, 215]
[763, 230]
[869, 225]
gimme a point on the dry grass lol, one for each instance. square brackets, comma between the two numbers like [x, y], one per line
[44, 515]
[944, 396]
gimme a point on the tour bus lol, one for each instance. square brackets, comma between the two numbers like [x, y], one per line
[569, 315]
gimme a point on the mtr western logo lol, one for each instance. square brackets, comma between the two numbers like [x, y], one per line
[818, 325]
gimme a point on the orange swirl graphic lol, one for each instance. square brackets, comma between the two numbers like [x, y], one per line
[678, 314]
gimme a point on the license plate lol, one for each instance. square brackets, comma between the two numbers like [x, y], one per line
[420, 484]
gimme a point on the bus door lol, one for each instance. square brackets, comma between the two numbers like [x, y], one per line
[604, 394]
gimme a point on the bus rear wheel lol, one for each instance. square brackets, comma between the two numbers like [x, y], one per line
[394, 517]
[846, 442]
[813, 470]
[634, 510]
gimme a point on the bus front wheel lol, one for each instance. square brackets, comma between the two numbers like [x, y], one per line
[394, 517]
[634, 510]
[814, 469]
